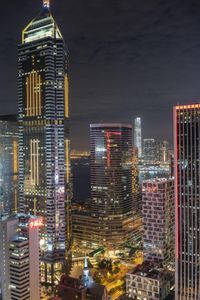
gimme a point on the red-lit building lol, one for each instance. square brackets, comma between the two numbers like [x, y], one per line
[187, 204]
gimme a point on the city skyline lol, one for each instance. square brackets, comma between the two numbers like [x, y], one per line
[143, 55]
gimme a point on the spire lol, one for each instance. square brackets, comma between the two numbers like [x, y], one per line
[85, 263]
[46, 3]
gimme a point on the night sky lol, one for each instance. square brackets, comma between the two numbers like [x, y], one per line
[128, 58]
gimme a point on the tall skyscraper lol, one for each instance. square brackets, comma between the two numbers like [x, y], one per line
[111, 180]
[158, 221]
[138, 135]
[44, 163]
[20, 257]
[187, 185]
[110, 220]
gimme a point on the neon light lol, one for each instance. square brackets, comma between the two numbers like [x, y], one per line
[149, 189]
[36, 223]
[191, 106]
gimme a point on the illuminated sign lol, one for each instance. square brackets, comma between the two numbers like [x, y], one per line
[150, 189]
[37, 223]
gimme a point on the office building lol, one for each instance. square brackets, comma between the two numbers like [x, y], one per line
[8, 164]
[138, 136]
[44, 160]
[158, 221]
[109, 221]
[187, 202]
[149, 282]
[149, 150]
[20, 258]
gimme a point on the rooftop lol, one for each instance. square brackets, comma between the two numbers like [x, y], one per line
[148, 270]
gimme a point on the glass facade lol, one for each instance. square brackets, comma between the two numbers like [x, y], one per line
[44, 156]
[111, 181]
[187, 184]
[8, 164]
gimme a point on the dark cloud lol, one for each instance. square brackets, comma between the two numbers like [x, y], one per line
[127, 58]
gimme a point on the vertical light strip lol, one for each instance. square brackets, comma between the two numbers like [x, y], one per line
[67, 161]
[33, 94]
[27, 97]
[30, 92]
[66, 89]
[37, 162]
[40, 102]
[16, 206]
[31, 161]
[15, 157]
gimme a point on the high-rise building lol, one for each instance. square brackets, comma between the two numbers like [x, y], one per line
[149, 150]
[138, 135]
[159, 221]
[110, 220]
[8, 228]
[187, 202]
[111, 179]
[44, 161]
[8, 164]
[20, 258]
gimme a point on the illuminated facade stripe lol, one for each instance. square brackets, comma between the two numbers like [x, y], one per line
[66, 97]
[33, 95]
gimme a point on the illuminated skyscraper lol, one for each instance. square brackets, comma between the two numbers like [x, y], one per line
[44, 164]
[138, 135]
[111, 219]
[187, 193]
[20, 257]
[111, 181]
[158, 221]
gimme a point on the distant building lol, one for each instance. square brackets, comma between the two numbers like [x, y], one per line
[138, 136]
[164, 152]
[9, 164]
[187, 200]
[158, 221]
[20, 258]
[149, 150]
[110, 218]
[136, 189]
[148, 282]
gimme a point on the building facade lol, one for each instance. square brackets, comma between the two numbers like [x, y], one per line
[187, 202]
[111, 180]
[8, 164]
[20, 257]
[110, 220]
[159, 221]
[138, 136]
[149, 150]
[147, 282]
[44, 160]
